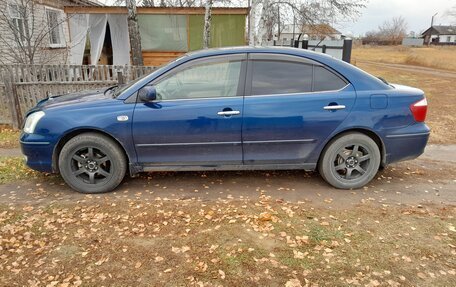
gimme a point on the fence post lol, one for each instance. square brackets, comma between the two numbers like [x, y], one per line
[296, 43]
[120, 78]
[347, 49]
[305, 44]
[13, 104]
[323, 49]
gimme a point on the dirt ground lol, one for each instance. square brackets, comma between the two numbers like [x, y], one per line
[258, 228]
[277, 228]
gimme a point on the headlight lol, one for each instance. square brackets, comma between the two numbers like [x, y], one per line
[31, 122]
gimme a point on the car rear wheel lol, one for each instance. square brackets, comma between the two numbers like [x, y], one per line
[92, 163]
[350, 161]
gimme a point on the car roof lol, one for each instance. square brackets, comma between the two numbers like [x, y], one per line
[255, 49]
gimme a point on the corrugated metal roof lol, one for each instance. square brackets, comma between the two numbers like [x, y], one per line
[445, 30]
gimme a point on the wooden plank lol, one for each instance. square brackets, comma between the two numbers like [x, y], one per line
[156, 10]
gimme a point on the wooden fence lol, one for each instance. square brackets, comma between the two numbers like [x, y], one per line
[22, 86]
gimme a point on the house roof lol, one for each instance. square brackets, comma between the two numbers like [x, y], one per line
[440, 30]
[156, 10]
[87, 2]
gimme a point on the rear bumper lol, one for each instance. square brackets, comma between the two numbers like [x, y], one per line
[38, 152]
[407, 143]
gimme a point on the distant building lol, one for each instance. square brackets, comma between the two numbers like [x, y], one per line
[314, 32]
[443, 35]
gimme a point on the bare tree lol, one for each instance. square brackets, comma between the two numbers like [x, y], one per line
[394, 30]
[452, 14]
[148, 3]
[133, 31]
[207, 24]
[307, 12]
[29, 32]
[391, 32]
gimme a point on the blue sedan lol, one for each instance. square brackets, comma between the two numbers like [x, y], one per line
[230, 109]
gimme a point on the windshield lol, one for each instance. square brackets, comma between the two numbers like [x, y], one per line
[120, 89]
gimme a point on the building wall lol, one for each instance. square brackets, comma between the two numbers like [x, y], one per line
[447, 38]
[45, 54]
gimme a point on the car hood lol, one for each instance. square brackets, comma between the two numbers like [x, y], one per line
[74, 98]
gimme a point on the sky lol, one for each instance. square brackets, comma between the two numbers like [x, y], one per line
[417, 14]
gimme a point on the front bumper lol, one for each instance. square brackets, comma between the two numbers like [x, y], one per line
[38, 152]
[407, 143]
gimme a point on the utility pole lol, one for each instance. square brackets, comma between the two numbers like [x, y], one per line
[432, 19]
[133, 31]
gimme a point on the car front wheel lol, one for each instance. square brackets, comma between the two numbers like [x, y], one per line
[350, 161]
[92, 163]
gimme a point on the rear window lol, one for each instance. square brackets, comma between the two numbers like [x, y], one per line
[271, 77]
[325, 80]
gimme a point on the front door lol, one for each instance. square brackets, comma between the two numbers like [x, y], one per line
[197, 118]
[293, 104]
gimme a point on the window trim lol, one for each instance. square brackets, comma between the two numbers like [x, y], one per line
[242, 57]
[287, 58]
[22, 38]
[59, 26]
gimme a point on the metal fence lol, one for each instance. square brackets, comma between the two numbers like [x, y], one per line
[22, 86]
[340, 49]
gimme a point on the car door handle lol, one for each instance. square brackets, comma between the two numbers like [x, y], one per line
[228, 113]
[334, 107]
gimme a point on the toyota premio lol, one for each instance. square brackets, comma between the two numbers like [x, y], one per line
[230, 109]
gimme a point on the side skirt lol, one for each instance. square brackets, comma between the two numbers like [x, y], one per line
[148, 168]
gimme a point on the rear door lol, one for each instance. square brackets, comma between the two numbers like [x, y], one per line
[292, 104]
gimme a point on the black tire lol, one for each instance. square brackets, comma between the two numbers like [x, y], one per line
[350, 161]
[92, 163]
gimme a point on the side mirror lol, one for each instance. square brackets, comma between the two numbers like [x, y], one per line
[147, 94]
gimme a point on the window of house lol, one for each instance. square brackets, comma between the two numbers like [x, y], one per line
[17, 13]
[285, 77]
[205, 80]
[54, 23]
[449, 39]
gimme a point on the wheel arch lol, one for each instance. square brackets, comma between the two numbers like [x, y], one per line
[374, 136]
[71, 134]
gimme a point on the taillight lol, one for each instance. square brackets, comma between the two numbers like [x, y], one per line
[419, 110]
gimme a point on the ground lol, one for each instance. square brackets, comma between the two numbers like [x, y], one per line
[282, 228]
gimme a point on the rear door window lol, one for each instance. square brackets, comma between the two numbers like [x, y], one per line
[276, 74]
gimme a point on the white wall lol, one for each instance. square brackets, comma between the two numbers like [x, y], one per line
[444, 38]
[49, 55]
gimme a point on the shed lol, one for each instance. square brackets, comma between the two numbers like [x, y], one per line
[166, 32]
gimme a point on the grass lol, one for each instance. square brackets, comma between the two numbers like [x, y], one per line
[433, 57]
[175, 243]
[9, 138]
[13, 169]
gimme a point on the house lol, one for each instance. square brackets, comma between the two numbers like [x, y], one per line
[440, 35]
[99, 35]
[314, 32]
[35, 31]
